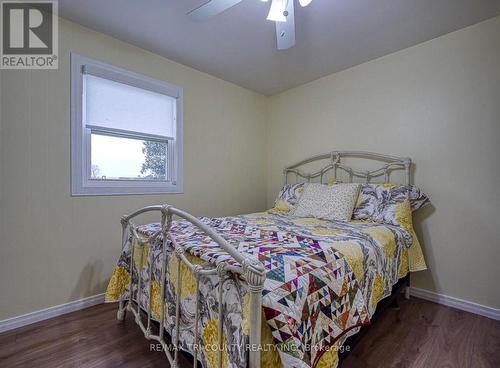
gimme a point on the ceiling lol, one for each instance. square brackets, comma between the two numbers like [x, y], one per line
[239, 45]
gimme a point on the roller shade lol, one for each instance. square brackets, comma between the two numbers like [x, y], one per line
[115, 105]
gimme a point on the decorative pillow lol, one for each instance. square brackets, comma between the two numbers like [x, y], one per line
[418, 199]
[375, 199]
[288, 197]
[329, 202]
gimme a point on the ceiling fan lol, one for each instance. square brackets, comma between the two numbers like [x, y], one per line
[281, 12]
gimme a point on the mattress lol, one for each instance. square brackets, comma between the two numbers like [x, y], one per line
[324, 280]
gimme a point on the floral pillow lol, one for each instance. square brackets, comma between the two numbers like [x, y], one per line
[418, 199]
[377, 202]
[394, 204]
[288, 197]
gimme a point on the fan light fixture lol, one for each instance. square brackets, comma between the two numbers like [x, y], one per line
[304, 3]
[281, 12]
[277, 13]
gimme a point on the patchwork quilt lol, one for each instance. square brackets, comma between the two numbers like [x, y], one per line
[324, 280]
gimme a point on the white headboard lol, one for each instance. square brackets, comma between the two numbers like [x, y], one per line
[335, 162]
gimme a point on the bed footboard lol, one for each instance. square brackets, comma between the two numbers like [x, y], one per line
[250, 269]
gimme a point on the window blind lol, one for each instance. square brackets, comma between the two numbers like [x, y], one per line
[115, 105]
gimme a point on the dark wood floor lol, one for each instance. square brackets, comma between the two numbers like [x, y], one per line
[419, 334]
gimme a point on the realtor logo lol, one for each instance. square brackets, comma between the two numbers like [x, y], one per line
[29, 35]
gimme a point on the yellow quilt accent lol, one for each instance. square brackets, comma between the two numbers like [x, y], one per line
[331, 181]
[359, 200]
[309, 221]
[378, 290]
[259, 215]
[385, 237]
[403, 215]
[415, 255]
[188, 281]
[388, 185]
[210, 344]
[281, 206]
[325, 231]
[138, 250]
[269, 356]
[330, 358]
[156, 300]
[354, 255]
[116, 287]
[403, 267]
[260, 218]
[356, 221]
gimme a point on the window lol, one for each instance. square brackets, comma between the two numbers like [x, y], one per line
[126, 131]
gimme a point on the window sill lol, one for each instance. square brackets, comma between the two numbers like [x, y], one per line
[114, 191]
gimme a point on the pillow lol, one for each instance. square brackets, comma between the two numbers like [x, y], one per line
[375, 199]
[288, 197]
[329, 202]
[418, 199]
[376, 202]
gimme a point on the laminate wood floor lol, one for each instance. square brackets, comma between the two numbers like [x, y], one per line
[419, 334]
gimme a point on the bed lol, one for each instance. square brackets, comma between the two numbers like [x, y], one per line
[264, 289]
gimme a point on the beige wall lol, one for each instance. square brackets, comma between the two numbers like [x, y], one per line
[56, 248]
[439, 103]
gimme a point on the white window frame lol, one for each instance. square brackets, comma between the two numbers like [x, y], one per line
[81, 183]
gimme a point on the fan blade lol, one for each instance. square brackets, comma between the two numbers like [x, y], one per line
[211, 8]
[285, 31]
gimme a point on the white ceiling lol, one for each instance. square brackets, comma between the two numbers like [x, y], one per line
[239, 45]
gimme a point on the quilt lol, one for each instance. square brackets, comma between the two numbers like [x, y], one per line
[324, 280]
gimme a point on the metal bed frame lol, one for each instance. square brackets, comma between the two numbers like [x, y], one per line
[249, 269]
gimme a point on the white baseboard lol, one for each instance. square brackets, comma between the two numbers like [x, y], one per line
[461, 304]
[29, 318]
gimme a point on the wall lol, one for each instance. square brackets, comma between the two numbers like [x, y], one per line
[56, 248]
[439, 103]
